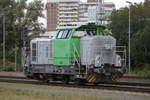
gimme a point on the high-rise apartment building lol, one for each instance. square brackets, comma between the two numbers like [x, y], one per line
[68, 12]
[87, 11]
[91, 0]
[65, 12]
[83, 11]
[52, 15]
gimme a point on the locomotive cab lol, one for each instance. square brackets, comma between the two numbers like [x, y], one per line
[66, 47]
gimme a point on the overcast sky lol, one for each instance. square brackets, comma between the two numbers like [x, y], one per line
[121, 3]
[118, 3]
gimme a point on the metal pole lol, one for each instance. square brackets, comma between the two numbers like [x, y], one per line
[129, 37]
[15, 57]
[129, 56]
[3, 41]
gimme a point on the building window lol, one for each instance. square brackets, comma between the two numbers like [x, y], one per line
[52, 5]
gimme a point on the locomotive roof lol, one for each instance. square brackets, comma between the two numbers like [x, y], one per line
[67, 27]
[41, 39]
[89, 26]
[92, 26]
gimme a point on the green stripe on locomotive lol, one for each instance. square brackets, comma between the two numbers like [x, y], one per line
[66, 50]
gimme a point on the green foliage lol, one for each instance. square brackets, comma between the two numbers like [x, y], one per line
[7, 65]
[140, 31]
[19, 14]
[140, 47]
[144, 70]
[119, 25]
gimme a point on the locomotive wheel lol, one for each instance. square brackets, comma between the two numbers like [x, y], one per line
[66, 79]
[49, 79]
[96, 84]
[114, 77]
[29, 77]
[79, 82]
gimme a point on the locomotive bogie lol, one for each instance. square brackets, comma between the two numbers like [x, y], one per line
[53, 69]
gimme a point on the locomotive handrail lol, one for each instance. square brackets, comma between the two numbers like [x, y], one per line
[76, 51]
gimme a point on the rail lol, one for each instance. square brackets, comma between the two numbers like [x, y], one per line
[119, 86]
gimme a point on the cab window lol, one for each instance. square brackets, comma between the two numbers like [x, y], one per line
[59, 34]
[63, 34]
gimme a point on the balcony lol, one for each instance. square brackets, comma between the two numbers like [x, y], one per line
[68, 4]
[68, 16]
[68, 12]
[68, 8]
[68, 20]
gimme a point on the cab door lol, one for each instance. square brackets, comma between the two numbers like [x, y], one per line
[62, 48]
[44, 52]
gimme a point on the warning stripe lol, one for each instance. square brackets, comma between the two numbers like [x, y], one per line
[91, 78]
[94, 80]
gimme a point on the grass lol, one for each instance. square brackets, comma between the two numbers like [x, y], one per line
[8, 64]
[95, 91]
[145, 72]
[17, 94]
[131, 74]
[11, 74]
[55, 87]
[63, 88]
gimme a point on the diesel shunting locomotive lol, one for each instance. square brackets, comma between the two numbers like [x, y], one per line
[79, 54]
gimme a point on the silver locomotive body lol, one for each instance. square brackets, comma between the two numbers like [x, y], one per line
[98, 50]
[41, 51]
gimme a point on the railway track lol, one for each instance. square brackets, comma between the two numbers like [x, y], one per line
[124, 77]
[119, 86]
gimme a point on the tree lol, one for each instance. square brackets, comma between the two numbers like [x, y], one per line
[140, 47]
[19, 14]
[27, 16]
[140, 33]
